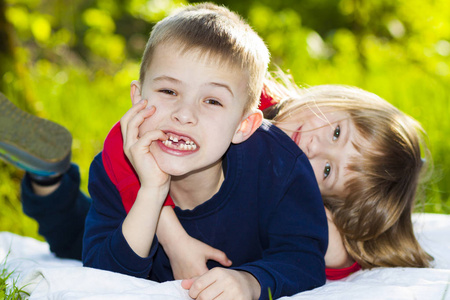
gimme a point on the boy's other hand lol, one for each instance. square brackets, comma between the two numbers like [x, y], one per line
[220, 283]
[188, 257]
[137, 149]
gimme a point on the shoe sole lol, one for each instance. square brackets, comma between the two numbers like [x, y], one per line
[34, 144]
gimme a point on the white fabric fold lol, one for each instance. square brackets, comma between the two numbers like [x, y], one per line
[45, 276]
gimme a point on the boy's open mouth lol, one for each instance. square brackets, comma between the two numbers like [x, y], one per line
[179, 142]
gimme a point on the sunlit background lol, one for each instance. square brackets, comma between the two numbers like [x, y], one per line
[72, 62]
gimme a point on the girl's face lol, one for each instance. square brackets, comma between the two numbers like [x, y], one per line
[327, 138]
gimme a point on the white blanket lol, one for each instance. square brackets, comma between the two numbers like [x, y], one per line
[46, 277]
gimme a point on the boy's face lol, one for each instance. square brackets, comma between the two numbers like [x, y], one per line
[199, 106]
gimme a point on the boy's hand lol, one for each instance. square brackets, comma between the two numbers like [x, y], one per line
[137, 149]
[188, 257]
[220, 283]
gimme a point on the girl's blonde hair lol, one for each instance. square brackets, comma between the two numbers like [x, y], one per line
[374, 214]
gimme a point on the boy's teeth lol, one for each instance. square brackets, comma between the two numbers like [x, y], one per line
[187, 145]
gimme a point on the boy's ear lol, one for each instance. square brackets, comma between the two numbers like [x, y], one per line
[135, 91]
[248, 126]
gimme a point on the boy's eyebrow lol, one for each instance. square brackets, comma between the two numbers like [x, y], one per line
[164, 77]
[174, 80]
[221, 85]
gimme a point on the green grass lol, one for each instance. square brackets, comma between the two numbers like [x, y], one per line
[8, 286]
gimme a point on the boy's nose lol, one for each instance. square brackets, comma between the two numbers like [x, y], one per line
[185, 114]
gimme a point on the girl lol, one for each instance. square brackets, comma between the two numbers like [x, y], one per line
[370, 202]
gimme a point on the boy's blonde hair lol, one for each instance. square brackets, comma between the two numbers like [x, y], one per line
[219, 34]
[374, 214]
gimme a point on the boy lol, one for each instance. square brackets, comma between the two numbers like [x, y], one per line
[257, 201]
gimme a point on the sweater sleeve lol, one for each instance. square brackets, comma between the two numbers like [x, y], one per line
[295, 236]
[104, 245]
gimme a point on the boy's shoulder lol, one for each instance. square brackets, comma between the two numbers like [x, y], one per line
[268, 139]
[271, 152]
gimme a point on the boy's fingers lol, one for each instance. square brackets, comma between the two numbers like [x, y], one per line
[130, 113]
[131, 133]
[149, 137]
[201, 286]
[219, 256]
[140, 117]
[187, 283]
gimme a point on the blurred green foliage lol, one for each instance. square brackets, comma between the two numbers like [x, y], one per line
[74, 61]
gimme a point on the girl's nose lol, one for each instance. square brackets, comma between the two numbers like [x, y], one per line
[313, 148]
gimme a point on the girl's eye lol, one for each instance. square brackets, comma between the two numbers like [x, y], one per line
[168, 92]
[327, 170]
[213, 102]
[337, 133]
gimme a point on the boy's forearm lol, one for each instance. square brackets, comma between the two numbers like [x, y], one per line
[139, 227]
[169, 228]
[104, 245]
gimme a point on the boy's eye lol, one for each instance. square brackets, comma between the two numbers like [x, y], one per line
[337, 133]
[326, 170]
[213, 102]
[168, 92]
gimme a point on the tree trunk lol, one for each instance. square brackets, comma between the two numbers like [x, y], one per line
[12, 80]
[6, 46]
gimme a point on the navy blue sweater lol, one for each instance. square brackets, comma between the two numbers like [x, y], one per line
[268, 217]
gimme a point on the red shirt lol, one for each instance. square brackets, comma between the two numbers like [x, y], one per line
[335, 274]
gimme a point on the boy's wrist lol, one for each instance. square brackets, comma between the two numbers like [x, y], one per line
[253, 284]
[159, 192]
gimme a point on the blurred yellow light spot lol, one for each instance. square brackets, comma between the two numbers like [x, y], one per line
[41, 29]
[18, 17]
[100, 20]
[443, 48]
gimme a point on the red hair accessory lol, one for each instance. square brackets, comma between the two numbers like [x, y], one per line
[266, 100]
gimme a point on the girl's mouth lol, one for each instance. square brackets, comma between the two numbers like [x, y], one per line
[177, 142]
